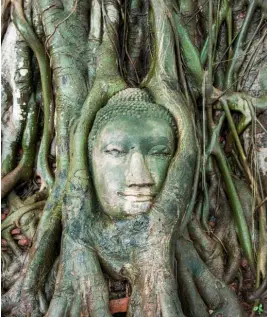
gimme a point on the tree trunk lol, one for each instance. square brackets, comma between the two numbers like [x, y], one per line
[71, 69]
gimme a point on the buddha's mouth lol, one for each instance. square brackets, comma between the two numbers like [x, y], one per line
[137, 197]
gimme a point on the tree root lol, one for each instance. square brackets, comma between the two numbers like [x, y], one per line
[221, 239]
[80, 292]
[234, 201]
[16, 92]
[203, 290]
[210, 251]
[26, 31]
[15, 216]
[77, 291]
[20, 173]
[24, 170]
[259, 292]
[12, 273]
[11, 298]
[12, 221]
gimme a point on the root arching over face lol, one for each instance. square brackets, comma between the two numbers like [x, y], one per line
[146, 102]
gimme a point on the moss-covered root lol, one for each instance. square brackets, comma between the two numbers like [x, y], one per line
[107, 83]
[30, 37]
[80, 287]
[224, 233]
[154, 289]
[210, 251]
[137, 30]
[162, 82]
[11, 298]
[24, 169]
[243, 232]
[15, 93]
[202, 293]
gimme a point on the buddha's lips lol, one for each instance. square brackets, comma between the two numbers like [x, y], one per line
[137, 196]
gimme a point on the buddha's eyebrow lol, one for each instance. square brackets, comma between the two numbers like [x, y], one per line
[158, 140]
[110, 144]
[113, 144]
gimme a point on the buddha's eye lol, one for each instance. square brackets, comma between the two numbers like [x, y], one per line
[160, 150]
[115, 152]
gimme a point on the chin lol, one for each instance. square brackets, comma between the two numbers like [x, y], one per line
[131, 208]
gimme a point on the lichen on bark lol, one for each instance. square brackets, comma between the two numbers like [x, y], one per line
[196, 59]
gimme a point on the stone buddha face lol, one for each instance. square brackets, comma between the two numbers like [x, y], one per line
[130, 159]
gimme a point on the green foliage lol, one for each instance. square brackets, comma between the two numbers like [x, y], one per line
[258, 309]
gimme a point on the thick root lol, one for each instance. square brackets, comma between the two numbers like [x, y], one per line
[211, 292]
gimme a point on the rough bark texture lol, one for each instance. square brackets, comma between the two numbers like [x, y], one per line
[203, 61]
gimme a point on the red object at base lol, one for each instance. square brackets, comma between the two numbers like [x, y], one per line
[119, 305]
[15, 231]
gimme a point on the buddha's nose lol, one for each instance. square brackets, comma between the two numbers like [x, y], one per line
[137, 173]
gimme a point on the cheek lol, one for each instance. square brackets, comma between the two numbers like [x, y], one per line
[158, 169]
[108, 176]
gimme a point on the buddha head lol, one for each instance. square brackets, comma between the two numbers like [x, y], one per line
[131, 145]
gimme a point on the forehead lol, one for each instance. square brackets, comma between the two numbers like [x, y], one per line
[137, 129]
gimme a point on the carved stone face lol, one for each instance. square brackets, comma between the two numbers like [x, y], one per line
[130, 160]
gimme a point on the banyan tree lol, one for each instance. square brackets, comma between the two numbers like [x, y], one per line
[134, 157]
